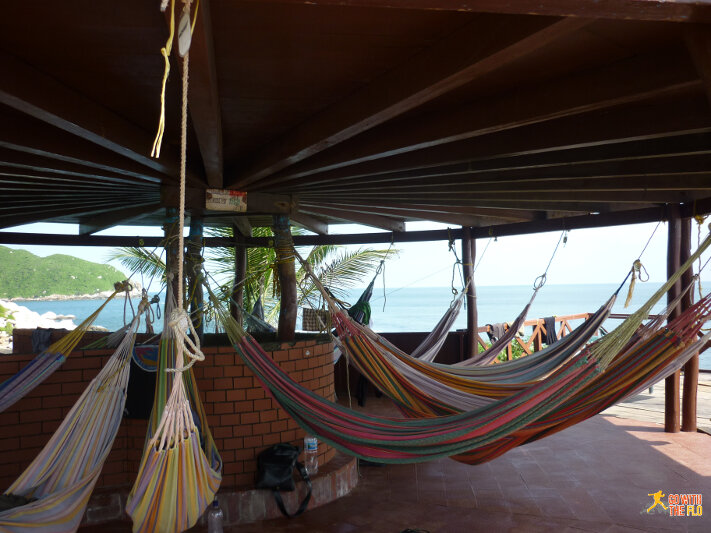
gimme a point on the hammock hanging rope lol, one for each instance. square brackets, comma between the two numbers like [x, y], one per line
[64, 473]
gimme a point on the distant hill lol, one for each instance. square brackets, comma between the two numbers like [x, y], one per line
[25, 275]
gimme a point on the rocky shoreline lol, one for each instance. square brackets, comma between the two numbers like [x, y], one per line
[135, 293]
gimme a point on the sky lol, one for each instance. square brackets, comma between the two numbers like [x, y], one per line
[601, 255]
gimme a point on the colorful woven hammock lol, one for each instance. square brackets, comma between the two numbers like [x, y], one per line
[180, 470]
[42, 366]
[655, 354]
[64, 473]
[393, 440]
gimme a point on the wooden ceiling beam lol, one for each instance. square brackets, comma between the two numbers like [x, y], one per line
[44, 213]
[476, 49]
[203, 99]
[687, 175]
[69, 171]
[310, 223]
[418, 214]
[97, 223]
[36, 94]
[698, 43]
[659, 10]
[376, 221]
[242, 225]
[31, 138]
[686, 115]
[624, 82]
[622, 153]
[529, 205]
[524, 197]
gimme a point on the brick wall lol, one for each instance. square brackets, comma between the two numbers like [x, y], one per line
[243, 419]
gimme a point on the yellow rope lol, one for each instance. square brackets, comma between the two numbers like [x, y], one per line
[165, 52]
[637, 268]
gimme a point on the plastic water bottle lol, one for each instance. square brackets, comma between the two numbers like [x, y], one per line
[311, 454]
[215, 518]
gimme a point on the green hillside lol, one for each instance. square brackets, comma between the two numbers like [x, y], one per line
[25, 275]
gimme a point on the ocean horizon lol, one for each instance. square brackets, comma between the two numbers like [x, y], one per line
[419, 308]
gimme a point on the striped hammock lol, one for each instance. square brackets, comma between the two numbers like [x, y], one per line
[64, 473]
[656, 353]
[42, 366]
[393, 440]
[180, 470]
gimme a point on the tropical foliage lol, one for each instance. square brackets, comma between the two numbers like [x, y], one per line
[338, 268]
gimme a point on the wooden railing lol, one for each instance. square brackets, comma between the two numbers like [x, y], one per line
[536, 340]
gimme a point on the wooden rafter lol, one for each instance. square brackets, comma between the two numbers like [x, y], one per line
[376, 221]
[638, 122]
[310, 223]
[96, 223]
[659, 10]
[624, 82]
[31, 92]
[473, 51]
[203, 99]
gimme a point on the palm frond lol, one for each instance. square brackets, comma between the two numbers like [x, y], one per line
[141, 261]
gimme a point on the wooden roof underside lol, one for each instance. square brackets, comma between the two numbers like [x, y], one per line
[369, 111]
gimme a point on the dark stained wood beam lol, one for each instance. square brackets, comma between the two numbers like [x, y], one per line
[203, 98]
[11, 159]
[44, 212]
[527, 197]
[623, 82]
[310, 223]
[659, 10]
[687, 114]
[31, 92]
[616, 218]
[376, 221]
[671, 383]
[691, 367]
[420, 212]
[32, 138]
[242, 226]
[613, 153]
[698, 42]
[94, 224]
[476, 49]
[257, 202]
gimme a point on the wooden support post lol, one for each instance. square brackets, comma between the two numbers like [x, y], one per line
[284, 246]
[170, 229]
[237, 297]
[193, 260]
[468, 256]
[691, 368]
[671, 384]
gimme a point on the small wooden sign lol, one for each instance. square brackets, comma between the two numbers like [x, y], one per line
[226, 200]
[184, 34]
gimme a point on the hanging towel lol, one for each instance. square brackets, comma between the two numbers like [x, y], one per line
[549, 324]
[496, 331]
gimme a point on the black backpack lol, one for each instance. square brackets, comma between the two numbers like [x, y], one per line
[275, 467]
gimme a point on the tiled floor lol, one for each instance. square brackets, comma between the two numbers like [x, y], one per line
[596, 476]
[593, 477]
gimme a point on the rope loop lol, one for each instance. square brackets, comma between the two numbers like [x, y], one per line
[180, 324]
[540, 281]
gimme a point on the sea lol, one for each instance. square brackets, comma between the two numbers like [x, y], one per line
[419, 308]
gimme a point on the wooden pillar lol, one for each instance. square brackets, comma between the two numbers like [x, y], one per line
[468, 257]
[671, 384]
[284, 246]
[691, 368]
[237, 296]
[170, 229]
[193, 262]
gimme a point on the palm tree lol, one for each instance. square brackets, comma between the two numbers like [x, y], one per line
[336, 267]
